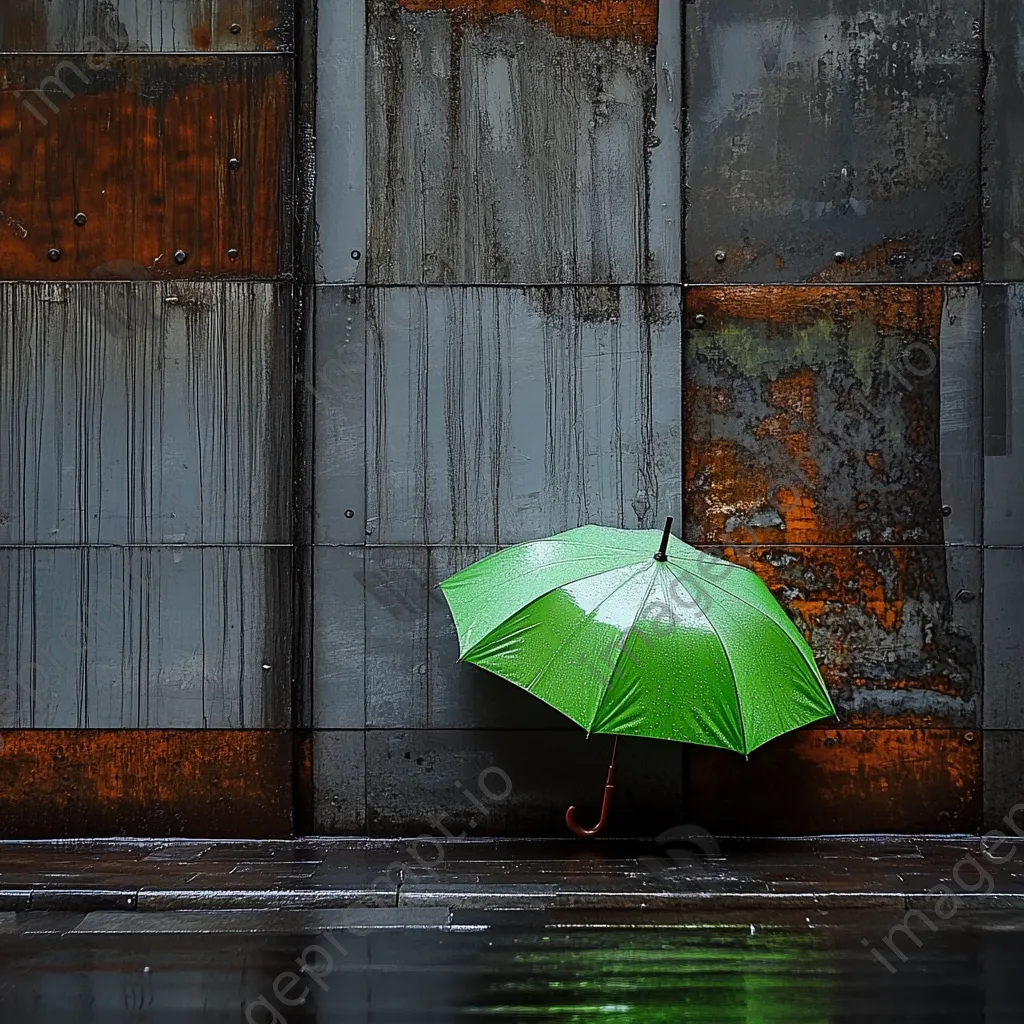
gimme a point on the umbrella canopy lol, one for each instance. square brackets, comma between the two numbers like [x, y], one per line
[628, 637]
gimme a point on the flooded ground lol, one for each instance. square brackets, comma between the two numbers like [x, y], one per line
[507, 967]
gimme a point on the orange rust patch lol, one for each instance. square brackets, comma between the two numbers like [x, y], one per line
[840, 780]
[876, 462]
[149, 168]
[228, 783]
[894, 308]
[844, 578]
[878, 263]
[202, 37]
[634, 21]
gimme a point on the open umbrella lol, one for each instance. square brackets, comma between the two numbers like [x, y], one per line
[629, 636]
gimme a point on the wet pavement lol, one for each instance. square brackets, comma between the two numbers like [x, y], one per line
[686, 872]
[689, 928]
[429, 965]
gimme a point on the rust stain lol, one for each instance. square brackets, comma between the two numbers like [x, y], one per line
[218, 783]
[882, 626]
[884, 261]
[841, 780]
[634, 21]
[890, 308]
[843, 577]
[846, 453]
[202, 37]
[143, 151]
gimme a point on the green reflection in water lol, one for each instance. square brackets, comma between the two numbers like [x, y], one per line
[719, 976]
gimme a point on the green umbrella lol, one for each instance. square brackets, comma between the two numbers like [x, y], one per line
[679, 646]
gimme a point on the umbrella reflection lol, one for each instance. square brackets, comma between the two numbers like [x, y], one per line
[726, 976]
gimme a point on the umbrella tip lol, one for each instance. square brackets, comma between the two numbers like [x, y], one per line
[661, 554]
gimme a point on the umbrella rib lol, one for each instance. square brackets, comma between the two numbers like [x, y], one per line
[764, 615]
[732, 672]
[589, 617]
[618, 657]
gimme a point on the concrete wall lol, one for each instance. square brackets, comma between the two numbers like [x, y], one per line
[758, 268]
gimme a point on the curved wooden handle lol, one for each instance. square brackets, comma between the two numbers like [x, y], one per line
[606, 803]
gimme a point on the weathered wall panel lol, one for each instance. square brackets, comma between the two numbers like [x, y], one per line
[340, 146]
[1004, 639]
[825, 781]
[516, 143]
[341, 585]
[1004, 419]
[337, 397]
[339, 770]
[142, 150]
[144, 413]
[497, 415]
[415, 778]
[895, 630]
[1004, 775]
[130, 638]
[832, 415]
[1003, 148]
[96, 26]
[837, 127]
[206, 783]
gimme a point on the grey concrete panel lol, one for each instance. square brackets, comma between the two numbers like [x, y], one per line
[1004, 414]
[396, 601]
[1003, 141]
[339, 779]
[463, 696]
[1004, 779]
[836, 126]
[102, 26]
[340, 144]
[960, 414]
[500, 152]
[424, 781]
[339, 637]
[337, 396]
[1004, 639]
[144, 413]
[145, 637]
[500, 415]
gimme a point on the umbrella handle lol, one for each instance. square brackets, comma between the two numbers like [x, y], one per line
[606, 803]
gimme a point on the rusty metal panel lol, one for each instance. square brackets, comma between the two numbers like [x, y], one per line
[462, 696]
[1004, 645]
[142, 150]
[1003, 141]
[204, 783]
[115, 637]
[895, 630]
[1004, 422]
[527, 142]
[337, 395]
[150, 413]
[827, 781]
[499, 415]
[834, 127]
[832, 415]
[101, 27]
[340, 144]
